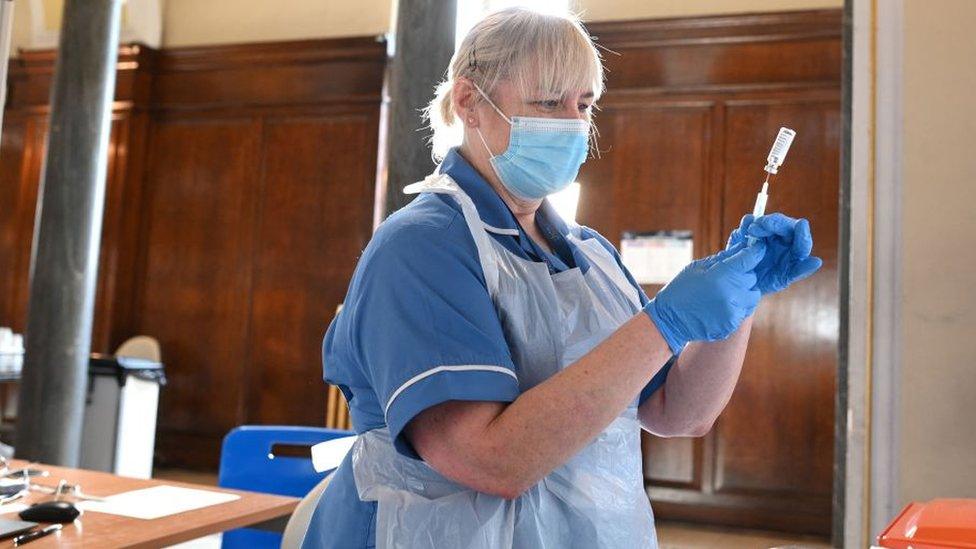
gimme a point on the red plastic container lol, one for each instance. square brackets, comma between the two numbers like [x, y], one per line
[938, 524]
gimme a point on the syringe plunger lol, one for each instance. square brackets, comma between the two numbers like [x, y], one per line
[760, 207]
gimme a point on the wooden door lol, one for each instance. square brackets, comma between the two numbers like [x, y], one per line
[197, 277]
[313, 223]
[775, 440]
[691, 110]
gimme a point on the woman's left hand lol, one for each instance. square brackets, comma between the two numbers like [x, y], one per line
[788, 246]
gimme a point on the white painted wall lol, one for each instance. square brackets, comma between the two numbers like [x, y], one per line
[605, 10]
[194, 22]
[197, 22]
[20, 37]
[37, 23]
[939, 253]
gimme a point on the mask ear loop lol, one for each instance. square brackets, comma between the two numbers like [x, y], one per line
[500, 113]
[485, 143]
[478, 129]
[492, 103]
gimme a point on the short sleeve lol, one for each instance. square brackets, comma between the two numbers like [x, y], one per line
[425, 329]
[662, 375]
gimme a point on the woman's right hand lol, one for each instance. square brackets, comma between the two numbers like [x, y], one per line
[709, 298]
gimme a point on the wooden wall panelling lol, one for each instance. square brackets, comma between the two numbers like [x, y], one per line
[30, 79]
[309, 74]
[121, 236]
[722, 54]
[691, 109]
[271, 149]
[657, 170]
[209, 147]
[12, 160]
[23, 150]
[109, 255]
[32, 72]
[318, 179]
[195, 287]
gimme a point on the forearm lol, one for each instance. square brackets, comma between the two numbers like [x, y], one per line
[698, 387]
[516, 445]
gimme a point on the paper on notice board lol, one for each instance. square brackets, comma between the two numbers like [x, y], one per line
[656, 257]
[156, 502]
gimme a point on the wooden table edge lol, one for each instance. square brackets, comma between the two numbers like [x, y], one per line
[284, 509]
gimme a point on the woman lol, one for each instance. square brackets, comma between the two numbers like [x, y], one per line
[500, 362]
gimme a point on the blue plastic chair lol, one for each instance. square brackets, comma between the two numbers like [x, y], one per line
[248, 462]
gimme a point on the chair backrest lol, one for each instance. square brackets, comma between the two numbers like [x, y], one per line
[140, 347]
[274, 459]
[294, 534]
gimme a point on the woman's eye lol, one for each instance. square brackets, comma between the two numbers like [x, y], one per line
[553, 104]
[548, 103]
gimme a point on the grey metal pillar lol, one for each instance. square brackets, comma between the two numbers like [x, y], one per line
[67, 230]
[6, 30]
[422, 47]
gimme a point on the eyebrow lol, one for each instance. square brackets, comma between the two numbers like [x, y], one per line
[587, 95]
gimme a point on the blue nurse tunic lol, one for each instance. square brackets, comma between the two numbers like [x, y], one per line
[418, 328]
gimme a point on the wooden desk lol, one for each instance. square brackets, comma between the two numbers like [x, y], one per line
[102, 530]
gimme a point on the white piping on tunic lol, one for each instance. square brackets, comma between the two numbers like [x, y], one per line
[439, 369]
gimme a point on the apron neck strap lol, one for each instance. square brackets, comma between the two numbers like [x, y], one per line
[442, 183]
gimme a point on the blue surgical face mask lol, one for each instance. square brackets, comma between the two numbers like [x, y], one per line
[543, 156]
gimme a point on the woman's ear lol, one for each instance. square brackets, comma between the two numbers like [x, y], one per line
[465, 97]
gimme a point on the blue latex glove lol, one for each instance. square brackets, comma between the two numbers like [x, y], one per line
[709, 298]
[788, 246]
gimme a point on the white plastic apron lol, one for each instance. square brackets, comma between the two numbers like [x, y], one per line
[597, 498]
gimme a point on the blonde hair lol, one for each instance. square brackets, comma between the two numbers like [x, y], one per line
[534, 51]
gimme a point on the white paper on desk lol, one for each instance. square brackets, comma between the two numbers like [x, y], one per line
[156, 502]
[12, 508]
[329, 454]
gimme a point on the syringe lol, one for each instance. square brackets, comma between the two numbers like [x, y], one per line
[777, 155]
